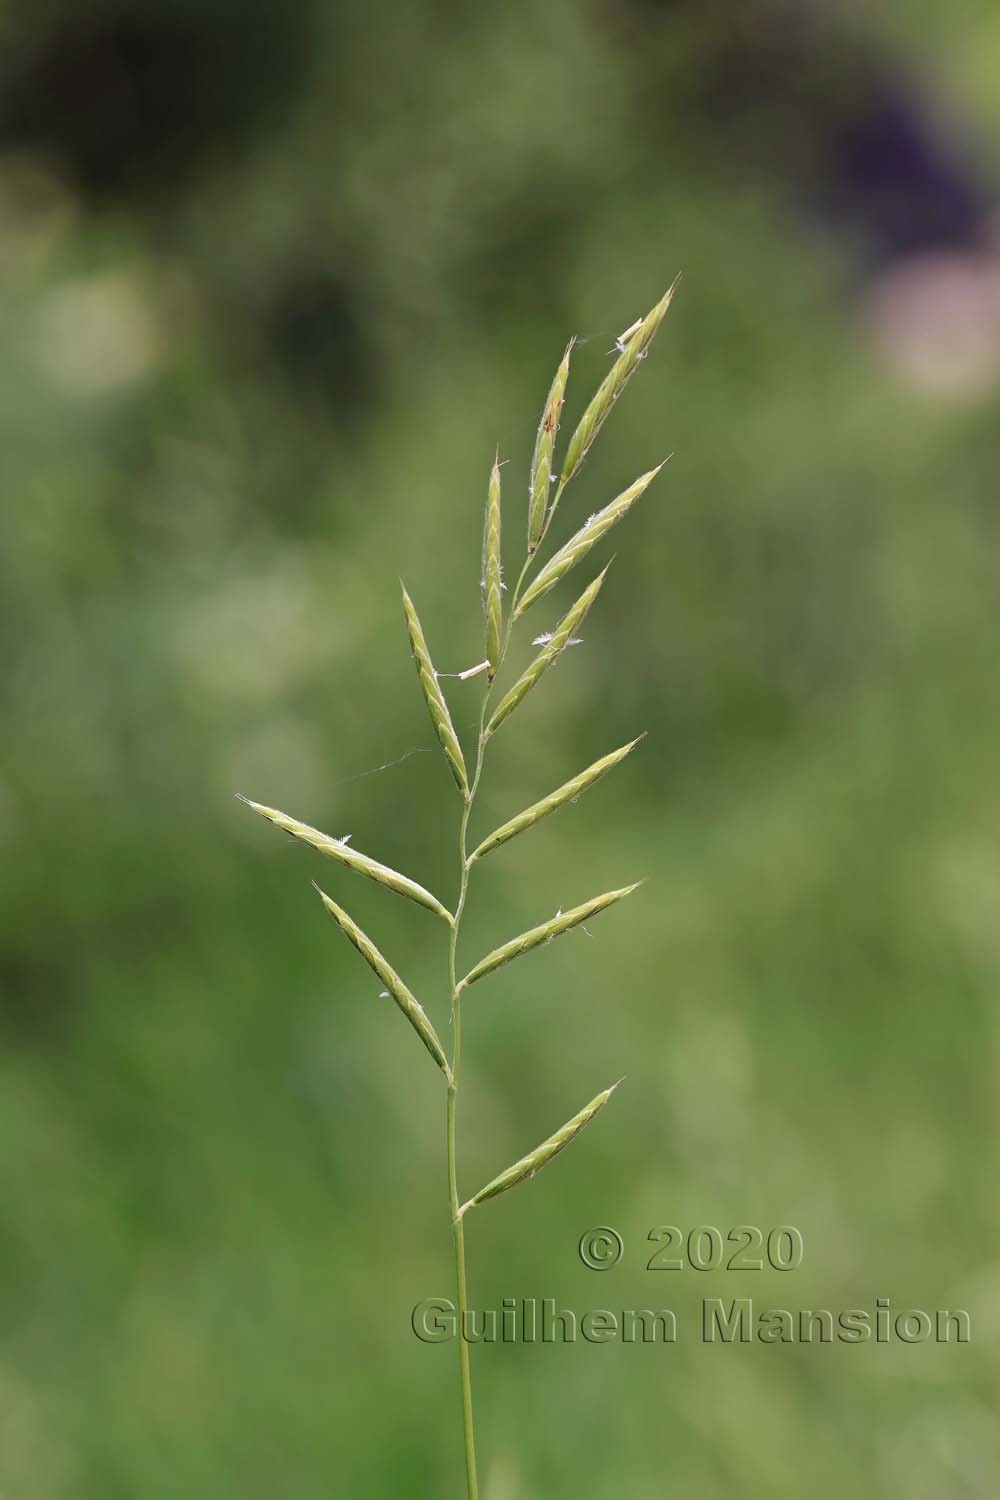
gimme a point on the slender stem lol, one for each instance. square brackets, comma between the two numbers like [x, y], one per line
[463, 1302]
[457, 1227]
[517, 594]
[458, 1233]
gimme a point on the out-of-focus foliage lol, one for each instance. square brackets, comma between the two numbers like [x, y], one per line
[274, 282]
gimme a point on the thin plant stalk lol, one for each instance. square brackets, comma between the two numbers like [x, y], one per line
[632, 349]
[457, 1227]
[465, 865]
[455, 1202]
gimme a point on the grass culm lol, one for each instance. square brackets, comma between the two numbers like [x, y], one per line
[546, 486]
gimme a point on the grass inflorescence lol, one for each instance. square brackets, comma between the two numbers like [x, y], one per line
[544, 494]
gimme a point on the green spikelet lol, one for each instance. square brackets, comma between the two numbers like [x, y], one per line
[525, 1169]
[568, 792]
[612, 386]
[353, 859]
[563, 921]
[492, 573]
[553, 648]
[434, 698]
[408, 1004]
[539, 487]
[576, 549]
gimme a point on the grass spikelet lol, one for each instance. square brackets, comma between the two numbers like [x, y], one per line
[611, 387]
[563, 921]
[407, 1002]
[598, 526]
[492, 573]
[540, 482]
[434, 698]
[353, 859]
[553, 648]
[525, 1169]
[568, 792]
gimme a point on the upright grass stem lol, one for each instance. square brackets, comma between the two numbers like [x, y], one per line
[455, 1201]
[457, 1227]
[497, 634]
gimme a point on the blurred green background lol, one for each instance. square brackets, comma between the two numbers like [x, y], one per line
[274, 282]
